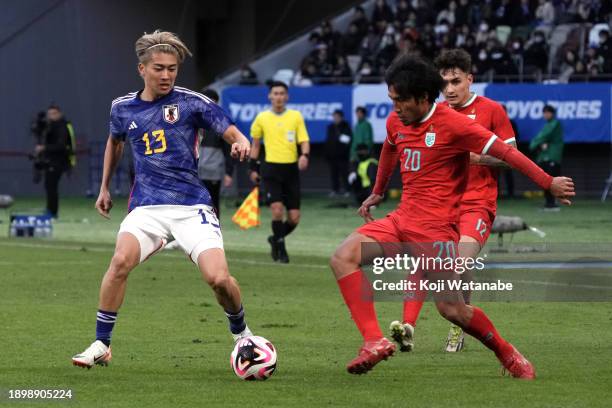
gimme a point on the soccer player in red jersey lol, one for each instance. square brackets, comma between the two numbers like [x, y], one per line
[479, 202]
[432, 144]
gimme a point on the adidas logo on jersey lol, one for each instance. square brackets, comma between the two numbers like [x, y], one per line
[132, 126]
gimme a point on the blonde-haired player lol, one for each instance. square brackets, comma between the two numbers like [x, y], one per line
[168, 201]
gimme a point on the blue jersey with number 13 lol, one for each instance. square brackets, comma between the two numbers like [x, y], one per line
[163, 137]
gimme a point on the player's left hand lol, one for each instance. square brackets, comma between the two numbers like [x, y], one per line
[303, 163]
[241, 150]
[563, 189]
[364, 210]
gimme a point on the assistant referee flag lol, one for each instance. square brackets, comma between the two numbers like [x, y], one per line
[247, 215]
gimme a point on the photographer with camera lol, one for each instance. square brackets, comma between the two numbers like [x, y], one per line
[54, 153]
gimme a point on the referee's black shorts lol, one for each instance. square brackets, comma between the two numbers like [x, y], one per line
[281, 182]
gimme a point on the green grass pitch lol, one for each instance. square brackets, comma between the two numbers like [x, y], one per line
[171, 345]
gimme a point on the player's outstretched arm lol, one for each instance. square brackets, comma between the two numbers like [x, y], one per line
[560, 187]
[112, 155]
[241, 147]
[386, 164]
[486, 160]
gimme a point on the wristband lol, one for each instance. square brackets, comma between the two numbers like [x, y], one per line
[307, 155]
[254, 165]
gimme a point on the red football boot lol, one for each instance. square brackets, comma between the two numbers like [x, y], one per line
[372, 353]
[518, 366]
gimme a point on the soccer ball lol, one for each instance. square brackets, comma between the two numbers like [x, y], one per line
[253, 358]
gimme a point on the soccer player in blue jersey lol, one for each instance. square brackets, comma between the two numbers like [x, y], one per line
[167, 201]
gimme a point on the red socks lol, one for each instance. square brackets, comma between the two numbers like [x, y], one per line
[482, 328]
[358, 296]
[412, 308]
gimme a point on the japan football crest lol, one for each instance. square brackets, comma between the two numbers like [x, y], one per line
[171, 113]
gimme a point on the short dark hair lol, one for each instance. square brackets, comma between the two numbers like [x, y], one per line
[549, 108]
[339, 112]
[211, 94]
[274, 84]
[455, 58]
[54, 106]
[362, 110]
[413, 77]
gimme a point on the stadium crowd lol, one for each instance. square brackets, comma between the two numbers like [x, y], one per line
[507, 39]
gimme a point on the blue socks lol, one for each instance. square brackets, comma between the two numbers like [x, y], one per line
[104, 326]
[236, 321]
[105, 322]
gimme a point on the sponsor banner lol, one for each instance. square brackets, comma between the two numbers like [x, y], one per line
[582, 109]
[316, 104]
[378, 105]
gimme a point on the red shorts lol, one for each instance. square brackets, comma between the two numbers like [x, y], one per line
[420, 238]
[476, 223]
[400, 228]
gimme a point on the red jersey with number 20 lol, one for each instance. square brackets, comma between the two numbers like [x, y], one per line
[481, 190]
[434, 161]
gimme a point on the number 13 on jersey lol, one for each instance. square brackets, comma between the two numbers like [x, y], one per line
[158, 137]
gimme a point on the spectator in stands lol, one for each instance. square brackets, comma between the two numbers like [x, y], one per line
[382, 12]
[499, 58]
[342, 72]
[337, 153]
[215, 166]
[548, 146]
[362, 133]
[536, 54]
[568, 66]
[402, 14]
[545, 14]
[462, 13]
[324, 61]
[605, 50]
[360, 20]
[483, 33]
[371, 42]
[523, 14]
[387, 49]
[330, 37]
[248, 76]
[504, 13]
[54, 151]
[447, 14]
[351, 41]
[306, 75]
[593, 61]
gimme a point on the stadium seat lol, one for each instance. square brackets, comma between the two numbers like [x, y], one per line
[284, 75]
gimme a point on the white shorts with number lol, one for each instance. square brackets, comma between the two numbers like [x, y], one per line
[195, 228]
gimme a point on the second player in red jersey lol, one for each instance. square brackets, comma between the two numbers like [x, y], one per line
[431, 143]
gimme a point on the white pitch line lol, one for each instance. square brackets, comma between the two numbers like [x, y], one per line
[161, 255]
